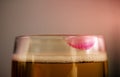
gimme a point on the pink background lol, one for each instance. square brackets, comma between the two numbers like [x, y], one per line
[59, 17]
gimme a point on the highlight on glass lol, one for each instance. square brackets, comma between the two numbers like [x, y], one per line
[59, 56]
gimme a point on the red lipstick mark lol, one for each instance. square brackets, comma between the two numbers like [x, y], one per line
[81, 42]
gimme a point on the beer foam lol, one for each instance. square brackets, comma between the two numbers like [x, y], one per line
[65, 58]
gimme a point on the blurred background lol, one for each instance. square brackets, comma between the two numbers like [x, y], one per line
[26, 17]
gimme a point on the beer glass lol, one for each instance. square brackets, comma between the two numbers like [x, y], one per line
[59, 56]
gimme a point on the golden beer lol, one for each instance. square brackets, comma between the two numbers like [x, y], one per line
[90, 68]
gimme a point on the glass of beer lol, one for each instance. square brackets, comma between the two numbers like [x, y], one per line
[59, 56]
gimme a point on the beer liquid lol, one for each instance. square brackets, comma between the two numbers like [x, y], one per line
[59, 69]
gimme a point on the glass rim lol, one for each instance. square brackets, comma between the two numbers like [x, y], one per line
[96, 35]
